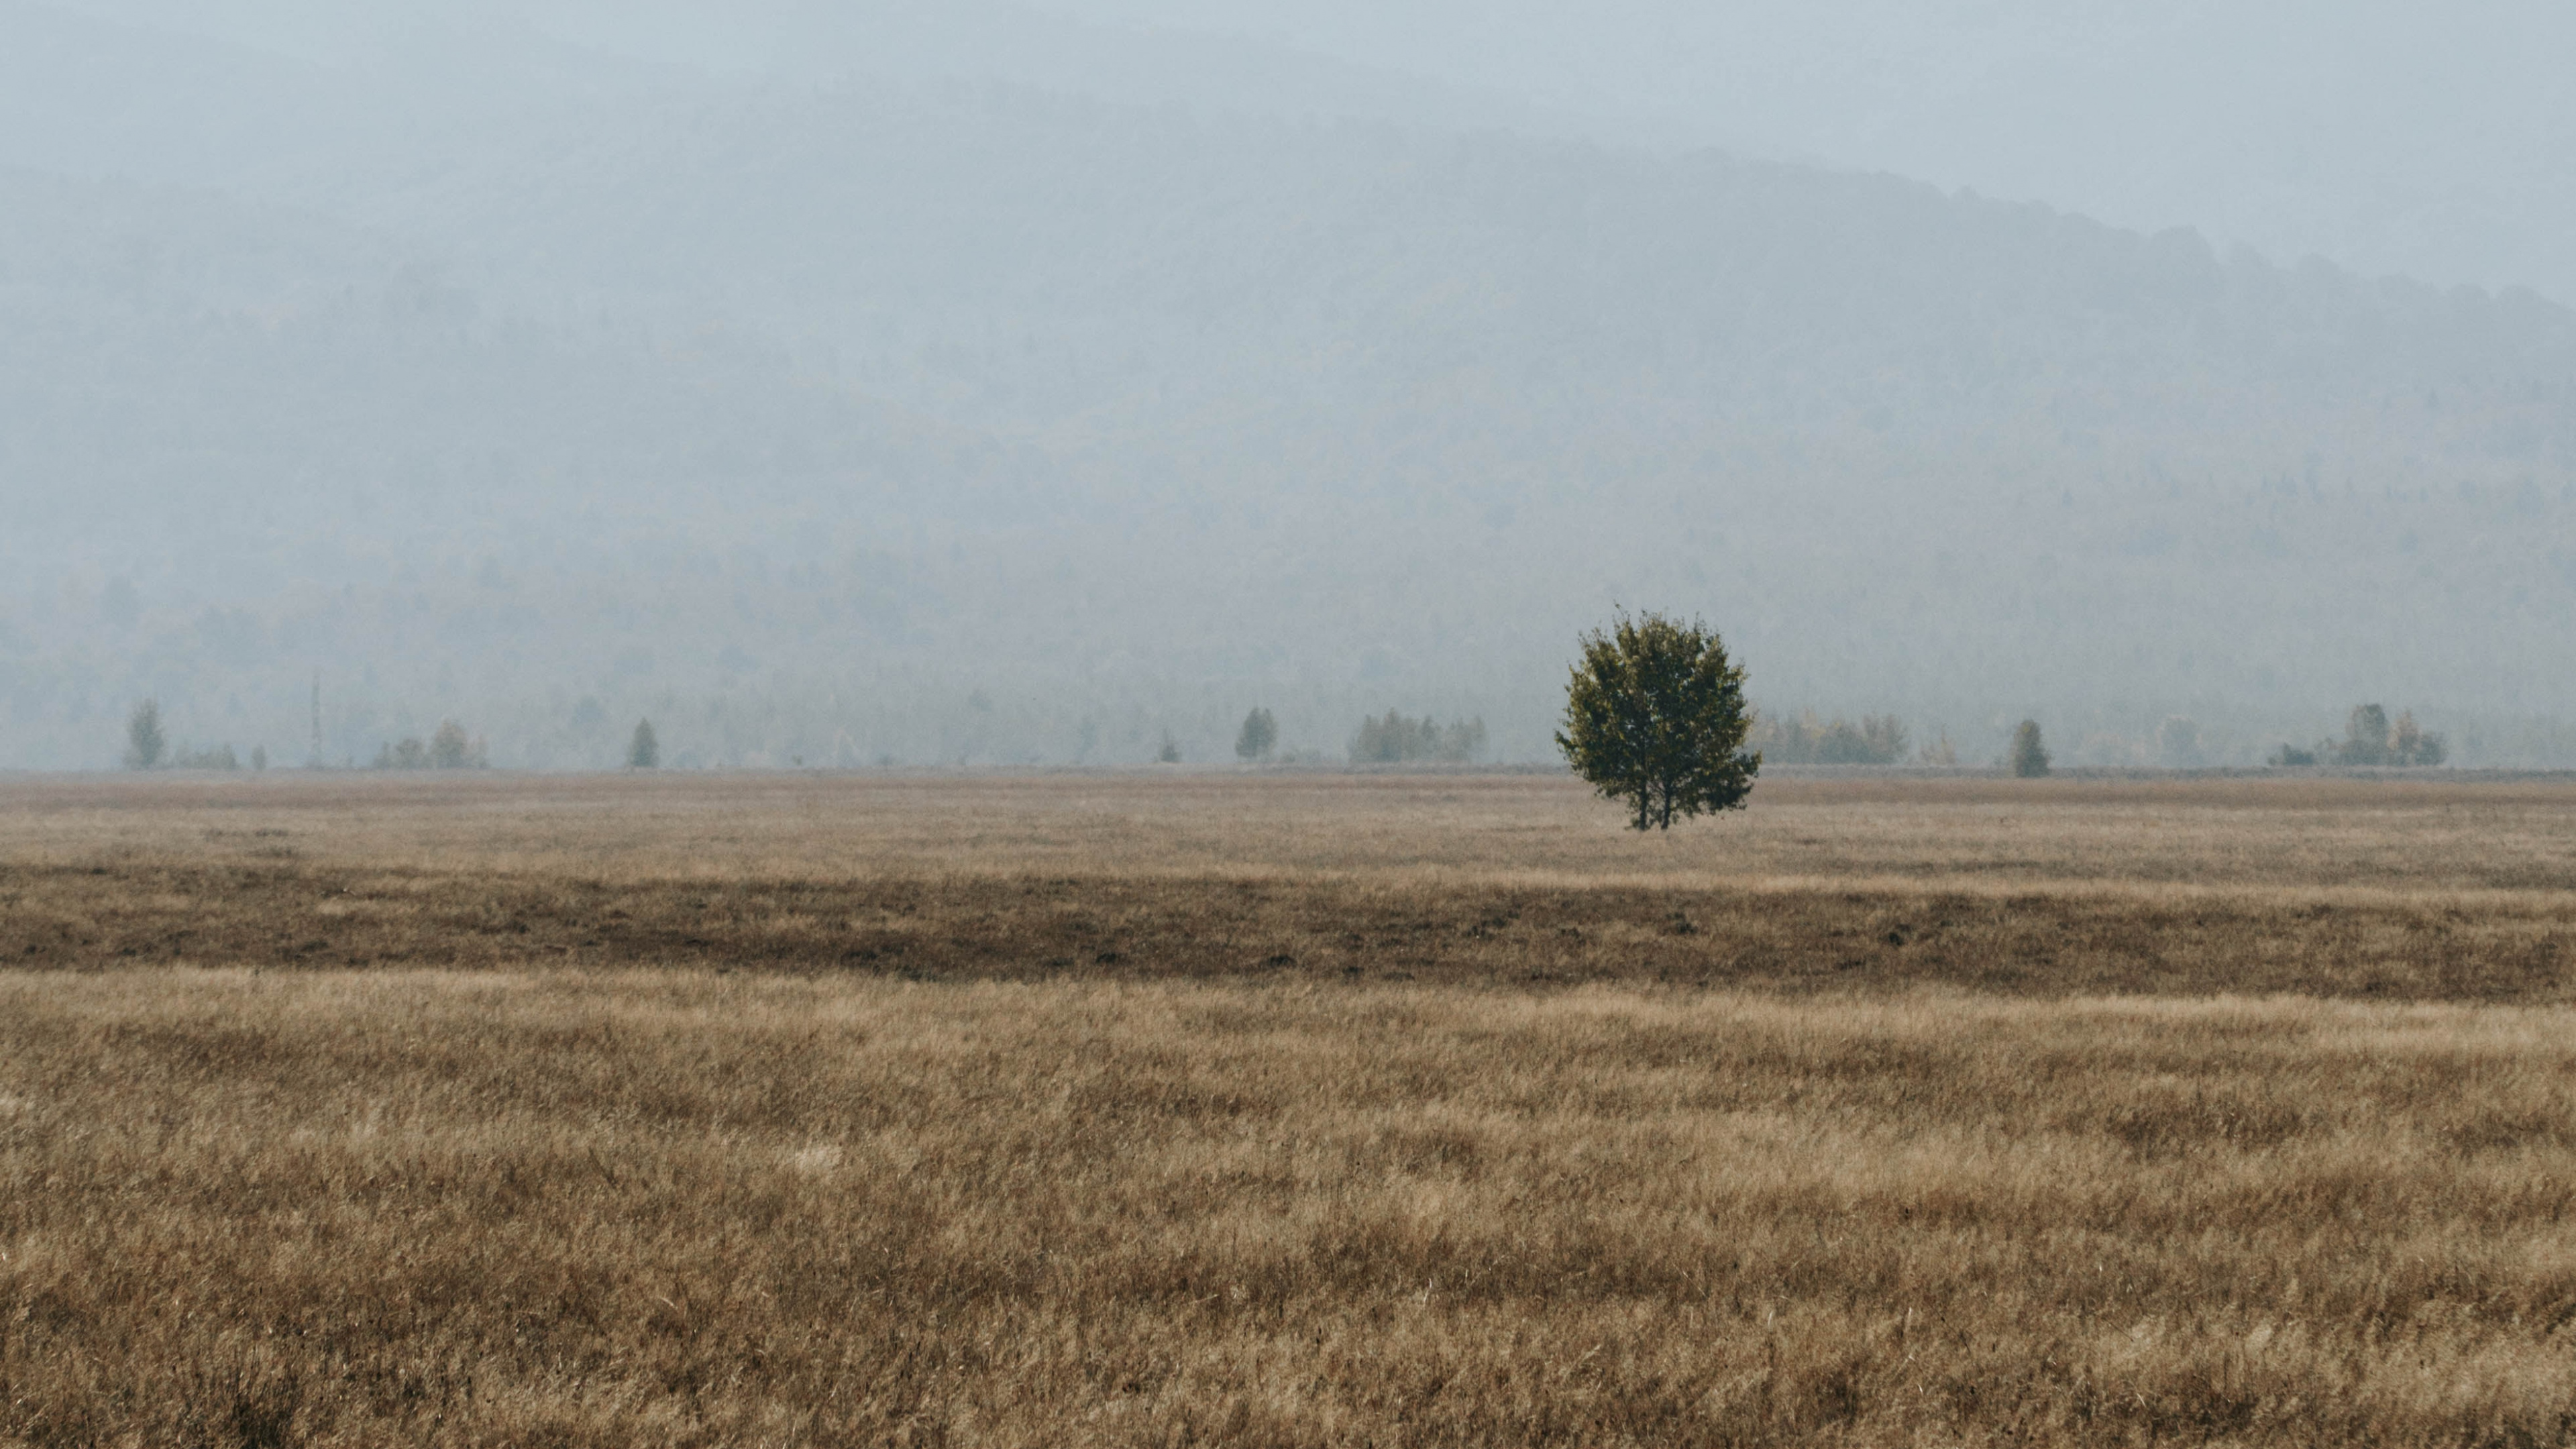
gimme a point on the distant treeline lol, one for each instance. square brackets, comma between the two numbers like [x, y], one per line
[448, 749]
[754, 732]
[1878, 739]
[1397, 740]
[2369, 739]
[147, 748]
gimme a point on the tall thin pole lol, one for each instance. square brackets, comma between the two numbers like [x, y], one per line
[317, 719]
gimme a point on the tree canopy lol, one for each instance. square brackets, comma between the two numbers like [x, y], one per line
[1655, 718]
[1260, 736]
[2029, 751]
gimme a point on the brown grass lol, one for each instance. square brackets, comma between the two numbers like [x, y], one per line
[2237, 834]
[2334, 888]
[627, 1192]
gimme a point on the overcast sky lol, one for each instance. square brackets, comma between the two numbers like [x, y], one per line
[2417, 138]
[2391, 136]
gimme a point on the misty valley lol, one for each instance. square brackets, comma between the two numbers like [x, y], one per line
[1286, 724]
[863, 417]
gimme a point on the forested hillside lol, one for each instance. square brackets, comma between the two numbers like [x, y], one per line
[885, 418]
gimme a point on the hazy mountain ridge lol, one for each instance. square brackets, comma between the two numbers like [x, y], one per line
[1047, 210]
[1186, 412]
[2389, 137]
[1257, 289]
[192, 362]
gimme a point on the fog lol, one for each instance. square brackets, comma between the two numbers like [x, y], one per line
[853, 384]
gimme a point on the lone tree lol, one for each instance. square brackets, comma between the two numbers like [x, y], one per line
[144, 741]
[1260, 736]
[1655, 717]
[644, 752]
[2029, 752]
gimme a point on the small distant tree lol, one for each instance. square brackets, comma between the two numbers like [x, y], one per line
[2178, 742]
[1883, 739]
[644, 752]
[1655, 718]
[2365, 737]
[1461, 741]
[1391, 740]
[1170, 753]
[259, 757]
[2412, 744]
[2029, 751]
[450, 748]
[144, 741]
[1260, 736]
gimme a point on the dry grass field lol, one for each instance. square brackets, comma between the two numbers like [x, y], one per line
[1301, 1109]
